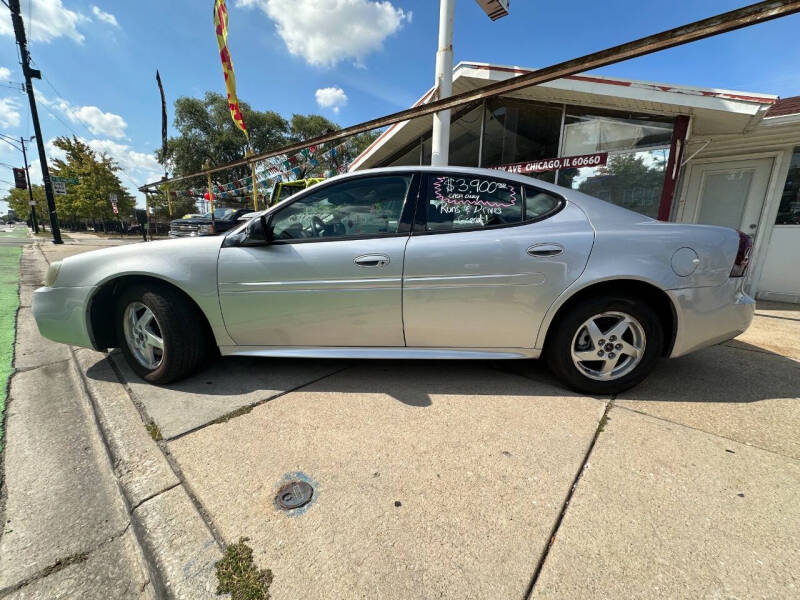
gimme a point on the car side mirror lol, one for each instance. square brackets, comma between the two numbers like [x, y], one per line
[258, 232]
[266, 227]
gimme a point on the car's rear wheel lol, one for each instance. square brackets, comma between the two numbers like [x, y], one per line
[605, 345]
[159, 333]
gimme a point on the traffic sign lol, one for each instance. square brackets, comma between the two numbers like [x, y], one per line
[60, 188]
[65, 180]
[32, 202]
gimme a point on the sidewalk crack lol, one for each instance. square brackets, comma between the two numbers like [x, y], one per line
[62, 563]
[554, 532]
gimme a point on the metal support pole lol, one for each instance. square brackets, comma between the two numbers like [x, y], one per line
[440, 141]
[211, 200]
[255, 190]
[34, 222]
[483, 132]
[253, 177]
[19, 31]
[760, 12]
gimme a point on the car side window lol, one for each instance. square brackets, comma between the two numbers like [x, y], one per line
[366, 206]
[468, 202]
[539, 204]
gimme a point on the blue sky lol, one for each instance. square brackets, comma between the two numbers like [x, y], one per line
[100, 57]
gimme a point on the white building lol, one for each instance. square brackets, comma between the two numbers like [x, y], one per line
[678, 153]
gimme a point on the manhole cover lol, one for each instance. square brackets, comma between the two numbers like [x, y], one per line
[294, 495]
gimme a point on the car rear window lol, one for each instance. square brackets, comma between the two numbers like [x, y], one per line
[465, 202]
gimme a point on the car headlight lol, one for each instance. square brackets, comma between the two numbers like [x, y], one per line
[204, 229]
[52, 274]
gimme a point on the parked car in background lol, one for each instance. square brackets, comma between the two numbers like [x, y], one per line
[415, 262]
[224, 219]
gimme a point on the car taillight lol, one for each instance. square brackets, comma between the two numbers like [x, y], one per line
[742, 255]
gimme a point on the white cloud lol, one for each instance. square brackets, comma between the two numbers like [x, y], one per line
[95, 120]
[5, 73]
[129, 159]
[102, 15]
[99, 122]
[331, 97]
[326, 32]
[9, 112]
[49, 20]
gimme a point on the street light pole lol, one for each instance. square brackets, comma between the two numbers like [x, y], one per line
[32, 202]
[19, 31]
[440, 137]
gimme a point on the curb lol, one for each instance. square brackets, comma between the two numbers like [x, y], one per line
[178, 546]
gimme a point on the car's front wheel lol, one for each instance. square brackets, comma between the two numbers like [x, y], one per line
[605, 345]
[159, 333]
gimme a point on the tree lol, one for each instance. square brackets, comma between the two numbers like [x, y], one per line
[207, 133]
[97, 176]
[18, 201]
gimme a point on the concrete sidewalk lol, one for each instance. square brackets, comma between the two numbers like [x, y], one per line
[452, 479]
[66, 532]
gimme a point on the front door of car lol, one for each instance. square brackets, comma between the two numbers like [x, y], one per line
[332, 275]
[486, 260]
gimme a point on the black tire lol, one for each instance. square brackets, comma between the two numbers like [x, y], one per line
[558, 351]
[179, 323]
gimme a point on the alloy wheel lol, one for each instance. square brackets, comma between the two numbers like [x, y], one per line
[608, 346]
[143, 335]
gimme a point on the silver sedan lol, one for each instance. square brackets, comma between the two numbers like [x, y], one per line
[415, 262]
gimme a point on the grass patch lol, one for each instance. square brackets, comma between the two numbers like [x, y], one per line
[154, 431]
[238, 575]
[233, 414]
[9, 302]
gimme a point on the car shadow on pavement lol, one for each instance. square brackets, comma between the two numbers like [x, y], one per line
[411, 382]
[736, 372]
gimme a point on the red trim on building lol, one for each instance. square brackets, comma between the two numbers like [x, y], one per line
[673, 169]
[640, 84]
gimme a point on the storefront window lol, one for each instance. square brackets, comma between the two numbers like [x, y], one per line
[637, 147]
[517, 130]
[789, 210]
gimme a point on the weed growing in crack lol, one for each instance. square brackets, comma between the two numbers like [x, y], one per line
[154, 431]
[238, 575]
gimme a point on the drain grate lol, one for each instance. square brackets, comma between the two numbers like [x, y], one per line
[294, 495]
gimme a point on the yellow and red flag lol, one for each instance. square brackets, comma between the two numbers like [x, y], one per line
[221, 27]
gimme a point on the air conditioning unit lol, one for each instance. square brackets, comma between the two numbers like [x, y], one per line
[494, 8]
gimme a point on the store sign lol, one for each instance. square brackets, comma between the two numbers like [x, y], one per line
[554, 164]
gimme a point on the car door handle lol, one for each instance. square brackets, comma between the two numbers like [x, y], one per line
[544, 250]
[372, 260]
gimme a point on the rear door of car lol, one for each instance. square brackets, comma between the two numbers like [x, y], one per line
[486, 259]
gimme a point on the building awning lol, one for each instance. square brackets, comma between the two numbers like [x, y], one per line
[713, 111]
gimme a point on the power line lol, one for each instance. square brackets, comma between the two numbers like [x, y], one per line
[60, 95]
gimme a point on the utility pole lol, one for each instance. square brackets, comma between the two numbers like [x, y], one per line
[19, 31]
[440, 138]
[443, 85]
[34, 222]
